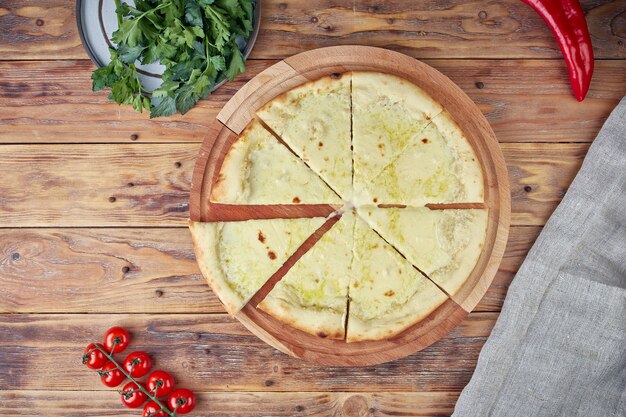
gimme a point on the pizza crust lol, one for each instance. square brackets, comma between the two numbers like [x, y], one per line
[426, 299]
[204, 237]
[322, 323]
[406, 150]
[388, 113]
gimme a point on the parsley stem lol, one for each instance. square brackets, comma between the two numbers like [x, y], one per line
[206, 52]
[141, 388]
[136, 75]
[118, 4]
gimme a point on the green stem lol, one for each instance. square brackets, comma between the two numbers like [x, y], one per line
[136, 75]
[112, 347]
[145, 391]
[118, 4]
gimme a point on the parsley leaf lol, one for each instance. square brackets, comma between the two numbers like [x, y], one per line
[198, 42]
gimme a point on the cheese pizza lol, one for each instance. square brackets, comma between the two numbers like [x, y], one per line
[384, 151]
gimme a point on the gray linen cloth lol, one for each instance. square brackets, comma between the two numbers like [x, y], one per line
[559, 345]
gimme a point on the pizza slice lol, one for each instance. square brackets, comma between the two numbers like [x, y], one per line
[237, 258]
[314, 121]
[387, 294]
[313, 295]
[258, 169]
[444, 244]
[388, 113]
[439, 167]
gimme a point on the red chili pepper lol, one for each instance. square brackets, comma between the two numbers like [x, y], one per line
[567, 21]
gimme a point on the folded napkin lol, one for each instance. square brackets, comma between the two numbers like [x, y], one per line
[559, 345]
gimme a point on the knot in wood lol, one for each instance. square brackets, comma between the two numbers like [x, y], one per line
[355, 406]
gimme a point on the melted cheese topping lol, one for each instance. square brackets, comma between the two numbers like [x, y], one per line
[258, 169]
[387, 293]
[444, 244]
[312, 296]
[239, 257]
[433, 169]
[387, 115]
[373, 139]
[314, 120]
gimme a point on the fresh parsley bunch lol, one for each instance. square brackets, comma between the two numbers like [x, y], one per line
[196, 40]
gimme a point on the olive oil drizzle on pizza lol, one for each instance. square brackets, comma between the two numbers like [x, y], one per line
[290, 262]
[233, 212]
[277, 136]
[413, 265]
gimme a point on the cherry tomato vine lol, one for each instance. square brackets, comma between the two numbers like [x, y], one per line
[159, 384]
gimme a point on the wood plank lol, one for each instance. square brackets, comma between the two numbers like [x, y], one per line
[90, 185]
[84, 271]
[216, 353]
[460, 29]
[52, 102]
[539, 176]
[95, 185]
[241, 404]
[102, 270]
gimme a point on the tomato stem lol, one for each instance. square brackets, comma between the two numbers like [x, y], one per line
[141, 388]
[115, 342]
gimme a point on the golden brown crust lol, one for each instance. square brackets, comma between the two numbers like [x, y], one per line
[204, 236]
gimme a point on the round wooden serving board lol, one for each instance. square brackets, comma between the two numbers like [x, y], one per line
[311, 65]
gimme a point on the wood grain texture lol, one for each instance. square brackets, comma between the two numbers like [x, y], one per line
[62, 270]
[95, 185]
[241, 404]
[101, 270]
[460, 29]
[523, 100]
[71, 185]
[539, 181]
[216, 353]
[84, 271]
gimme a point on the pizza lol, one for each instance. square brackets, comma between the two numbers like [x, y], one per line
[410, 223]
[258, 169]
[237, 258]
[314, 121]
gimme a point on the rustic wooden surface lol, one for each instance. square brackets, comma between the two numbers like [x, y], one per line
[73, 261]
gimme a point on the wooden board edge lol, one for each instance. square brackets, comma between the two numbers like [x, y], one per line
[239, 111]
[311, 348]
[217, 132]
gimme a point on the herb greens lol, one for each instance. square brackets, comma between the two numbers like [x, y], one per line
[196, 41]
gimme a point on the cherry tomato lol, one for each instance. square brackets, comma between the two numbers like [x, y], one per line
[132, 396]
[152, 409]
[137, 364]
[93, 358]
[116, 339]
[110, 375]
[182, 401]
[160, 383]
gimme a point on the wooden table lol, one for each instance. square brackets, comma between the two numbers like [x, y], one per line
[94, 203]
